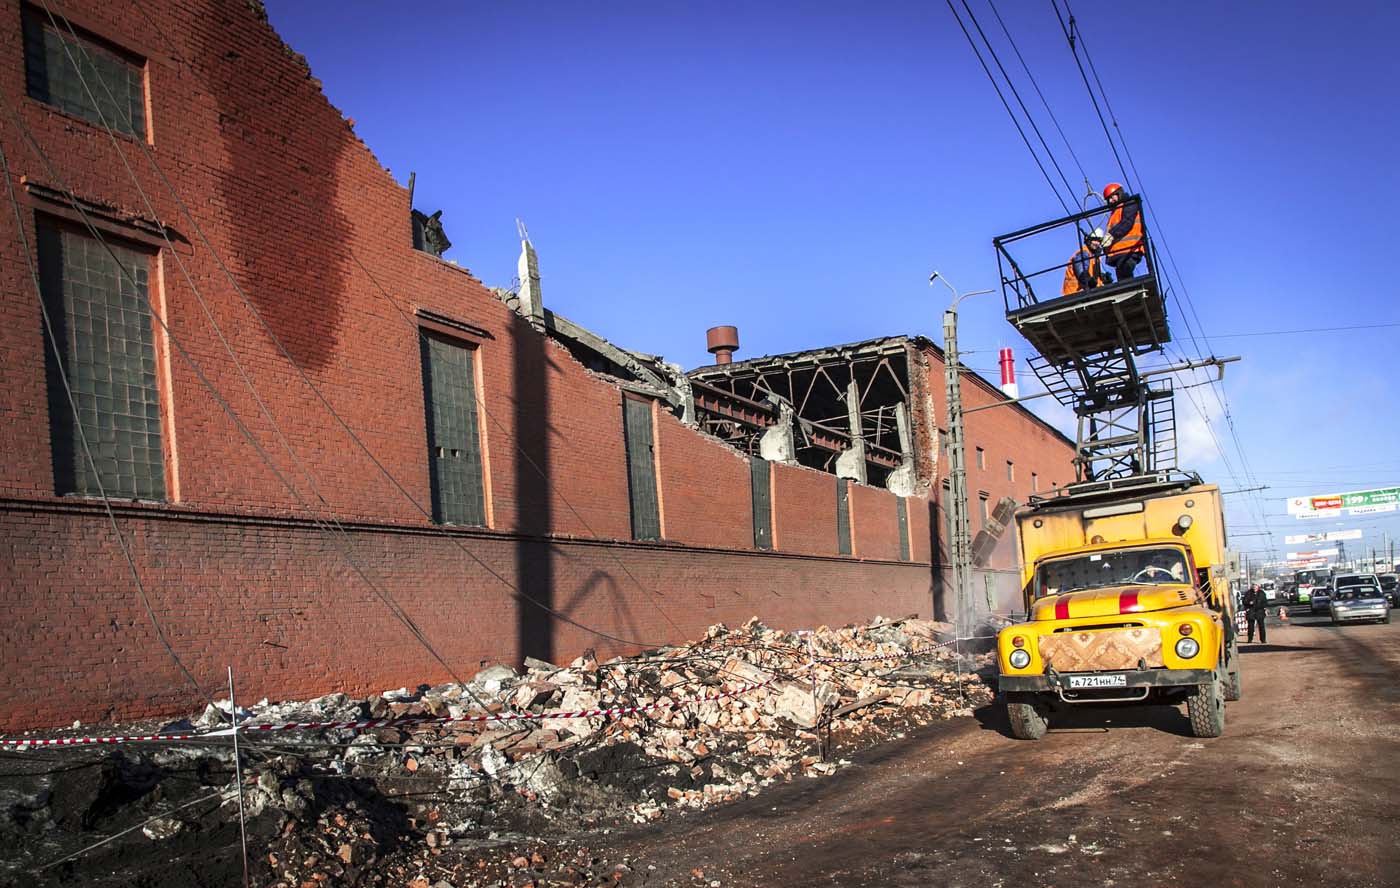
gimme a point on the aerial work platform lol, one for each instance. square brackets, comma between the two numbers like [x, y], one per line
[1088, 341]
[1123, 316]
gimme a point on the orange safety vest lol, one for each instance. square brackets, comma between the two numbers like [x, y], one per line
[1071, 285]
[1130, 242]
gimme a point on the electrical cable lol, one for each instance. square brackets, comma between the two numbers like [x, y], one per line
[1007, 105]
[1069, 32]
[1043, 101]
[1016, 94]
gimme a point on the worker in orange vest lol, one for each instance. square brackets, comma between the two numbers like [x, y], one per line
[1125, 245]
[1085, 271]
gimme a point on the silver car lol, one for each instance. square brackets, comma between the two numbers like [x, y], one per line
[1358, 597]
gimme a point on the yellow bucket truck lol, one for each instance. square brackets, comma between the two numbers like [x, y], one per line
[1127, 601]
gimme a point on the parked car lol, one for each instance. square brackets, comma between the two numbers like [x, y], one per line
[1390, 585]
[1358, 597]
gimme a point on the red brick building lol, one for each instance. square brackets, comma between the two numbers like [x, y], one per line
[237, 399]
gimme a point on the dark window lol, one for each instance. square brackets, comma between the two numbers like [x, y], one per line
[454, 439]
[843, 516]
[1010, 470]
[759, 473]
[97, 299]
[641, 469]
[68, 72]
[981, 458]
[1035, 482]
[903, 511]
[982, 505]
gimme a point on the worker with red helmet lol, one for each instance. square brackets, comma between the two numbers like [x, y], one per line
[1125, 245]
[1085, 270]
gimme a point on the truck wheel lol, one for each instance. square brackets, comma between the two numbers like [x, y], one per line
[1026, 722]
[1232, 687]
[1207, 710]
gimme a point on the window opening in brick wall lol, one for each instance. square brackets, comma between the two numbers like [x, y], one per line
[982, 505]
[759, 475]
[1035, 482]
[641, 469]
[115, 78]
[981, 458]
[843, 516]
[1010, 470]
[97, 298]
[902, 509]
[454, 435]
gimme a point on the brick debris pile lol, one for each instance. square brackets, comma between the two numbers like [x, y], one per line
[491, 802]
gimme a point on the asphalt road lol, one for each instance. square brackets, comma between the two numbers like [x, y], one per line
[1303, 789]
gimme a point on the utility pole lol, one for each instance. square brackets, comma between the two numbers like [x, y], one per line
[960, 543]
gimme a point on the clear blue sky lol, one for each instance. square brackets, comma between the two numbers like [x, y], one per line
[798, 169]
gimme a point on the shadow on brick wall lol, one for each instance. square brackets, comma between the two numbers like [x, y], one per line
[281, 172]
[534, 558]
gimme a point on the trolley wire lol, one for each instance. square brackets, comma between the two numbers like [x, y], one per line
[1010, 113]
[1036, 85]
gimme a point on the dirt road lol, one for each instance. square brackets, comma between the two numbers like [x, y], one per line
[1303, 789]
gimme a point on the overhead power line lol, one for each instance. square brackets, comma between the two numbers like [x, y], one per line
[1043, 101]
[1025, 140]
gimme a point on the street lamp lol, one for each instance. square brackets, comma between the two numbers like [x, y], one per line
[960, 545]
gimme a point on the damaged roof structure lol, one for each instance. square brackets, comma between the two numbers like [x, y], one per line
[862, 411]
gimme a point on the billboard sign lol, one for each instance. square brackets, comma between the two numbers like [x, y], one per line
[1331, 536]
[1333, 503]
[1307, 556]
[1372, 509]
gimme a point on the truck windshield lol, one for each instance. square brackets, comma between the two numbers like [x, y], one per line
[1115, 568]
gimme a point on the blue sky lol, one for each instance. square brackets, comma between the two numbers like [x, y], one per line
[798, 169]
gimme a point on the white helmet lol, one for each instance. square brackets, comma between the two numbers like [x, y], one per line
[1096, 234]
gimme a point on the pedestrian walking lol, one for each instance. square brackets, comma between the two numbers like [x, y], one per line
[1256, 609]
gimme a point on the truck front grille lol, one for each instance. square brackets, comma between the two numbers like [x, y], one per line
[1095, 650]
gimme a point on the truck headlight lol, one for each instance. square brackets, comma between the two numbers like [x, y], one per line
[1187, 648]
[1019, 659]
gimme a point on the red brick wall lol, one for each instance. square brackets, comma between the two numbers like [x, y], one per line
[315, 233]
[279, 603]
[804, 507]
[706, 490]
[875, 522]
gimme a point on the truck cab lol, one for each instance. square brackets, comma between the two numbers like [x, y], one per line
[1126, 601]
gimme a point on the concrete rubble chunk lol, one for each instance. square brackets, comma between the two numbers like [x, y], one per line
[493, 678]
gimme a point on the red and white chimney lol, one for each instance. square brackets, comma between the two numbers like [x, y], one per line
[1008, 375]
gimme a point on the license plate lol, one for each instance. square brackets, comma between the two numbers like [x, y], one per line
[1118, 680]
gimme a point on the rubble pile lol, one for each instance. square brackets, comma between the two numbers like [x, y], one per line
[674, 729]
